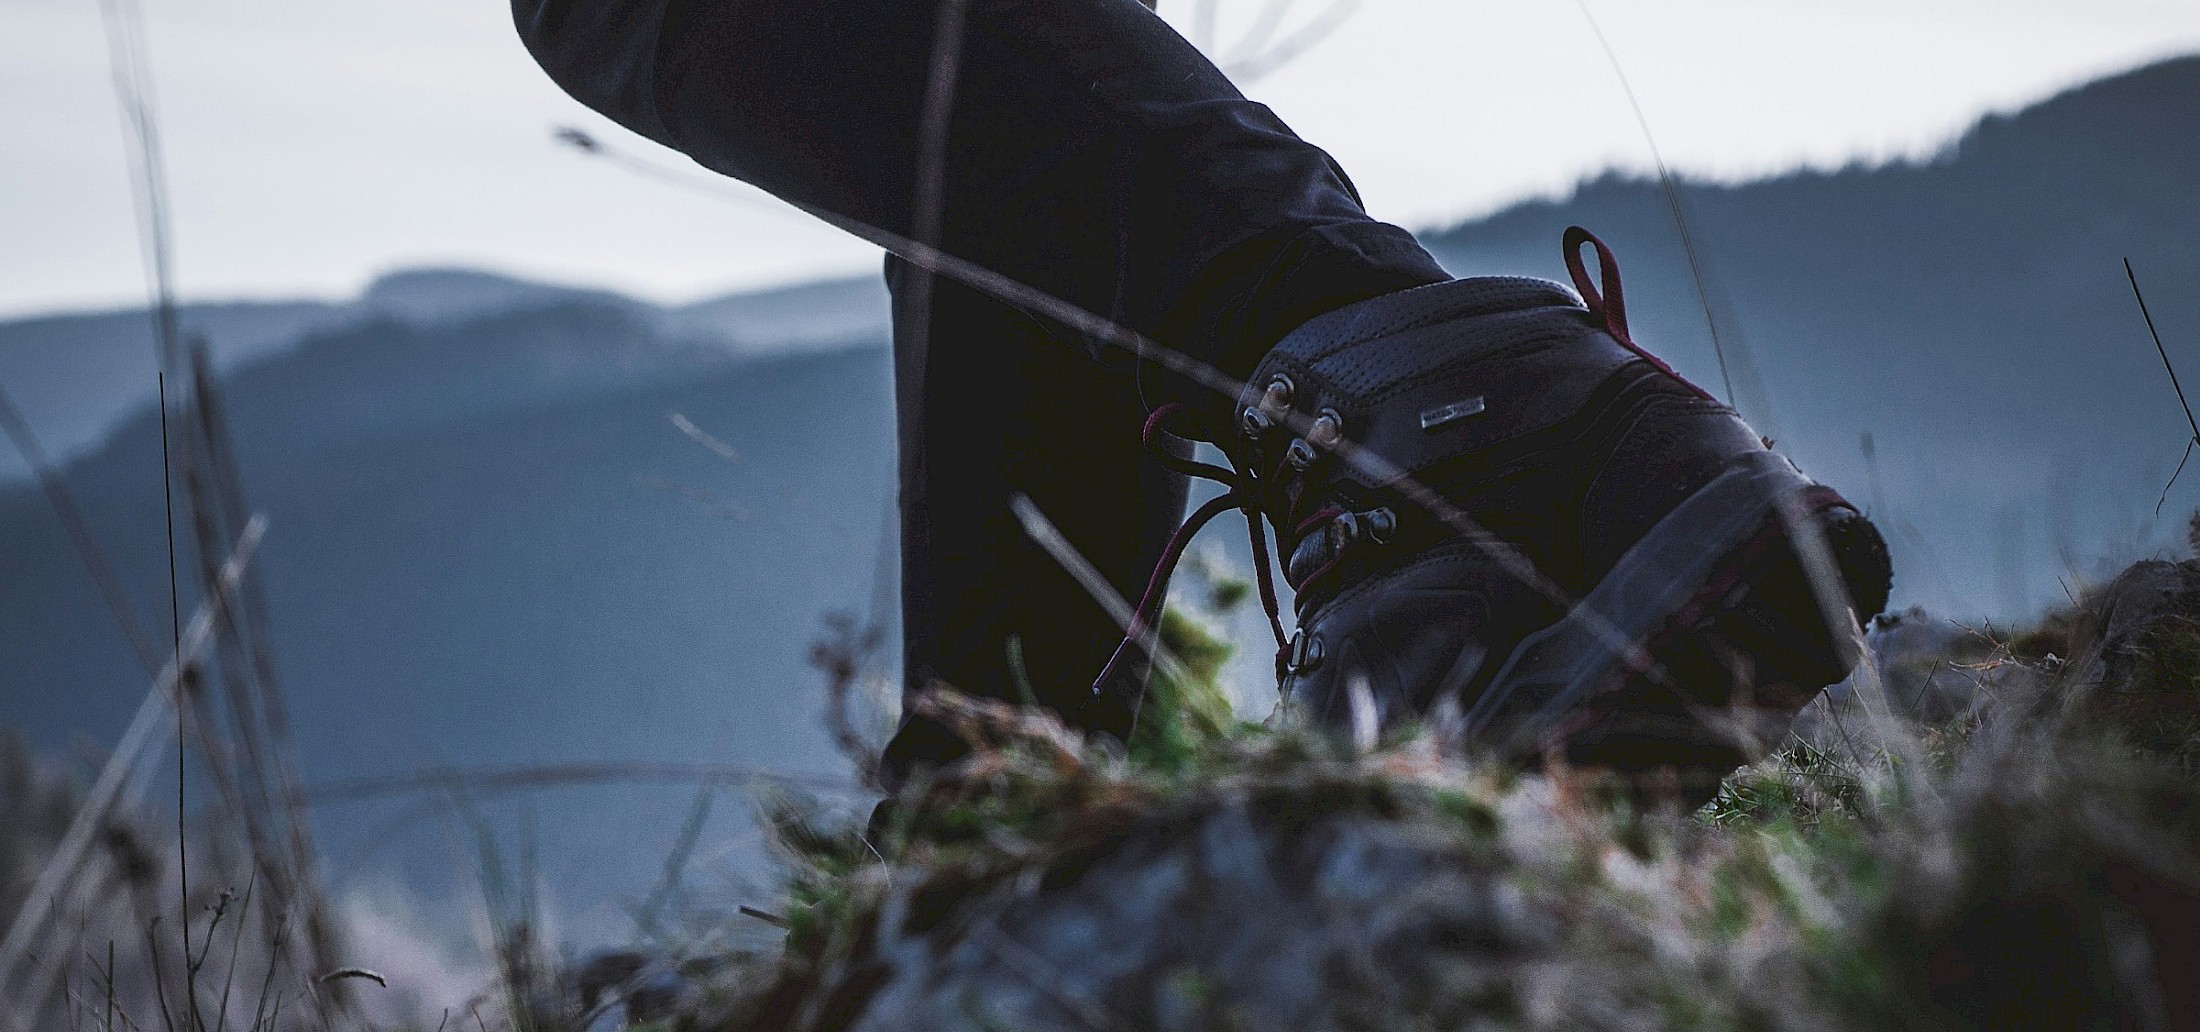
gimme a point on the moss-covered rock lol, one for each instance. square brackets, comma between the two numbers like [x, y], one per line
[1972, 834]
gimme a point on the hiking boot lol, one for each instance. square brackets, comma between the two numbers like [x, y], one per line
[1485, 492]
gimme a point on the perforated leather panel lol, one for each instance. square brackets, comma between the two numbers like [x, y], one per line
[1406, 309]
[1525, 352]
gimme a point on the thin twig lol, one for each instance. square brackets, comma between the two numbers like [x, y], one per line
[842, 656]
[175, 630]
[160, 975]
[2178, 472]
[1047, 536]
[767, 917]
[221, 910]
[236, 944]
[164, 698]
[267, 979]
[2191, 422]
[2160, 350]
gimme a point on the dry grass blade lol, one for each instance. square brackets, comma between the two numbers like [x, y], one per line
[1672, 193]
[354, 972]
[261, 774]
[843, 655]
[163, 701]
[1046, 535]
[1256, 59]
[703, 437]
[562, 774]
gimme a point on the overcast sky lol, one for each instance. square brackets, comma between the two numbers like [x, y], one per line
[312, 143]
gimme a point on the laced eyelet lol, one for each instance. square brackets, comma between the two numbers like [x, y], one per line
[1380, 524]
[1242, 493]
[1277, 398]
[1328, 429]
[1343, 530]
[1307, 652]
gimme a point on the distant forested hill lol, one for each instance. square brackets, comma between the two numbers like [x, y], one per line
[489, 544]
[1971, 314]
[76, 375]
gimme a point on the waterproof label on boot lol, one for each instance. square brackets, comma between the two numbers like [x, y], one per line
[1451, 413]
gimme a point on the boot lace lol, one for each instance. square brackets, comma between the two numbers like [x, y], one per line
[1283, 490]
[1277, 496]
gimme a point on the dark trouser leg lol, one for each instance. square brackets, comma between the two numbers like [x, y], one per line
[1093, 154]
[1000, 408]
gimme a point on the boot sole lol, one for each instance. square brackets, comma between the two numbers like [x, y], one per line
[1705, 638]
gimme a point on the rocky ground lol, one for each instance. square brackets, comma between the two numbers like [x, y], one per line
[1983, 830]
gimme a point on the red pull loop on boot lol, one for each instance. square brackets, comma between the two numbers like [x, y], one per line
[1609, 306]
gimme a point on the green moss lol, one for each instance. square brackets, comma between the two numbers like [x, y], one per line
[1809, 893]
[1228, 593]
[1185, 714]
[1801, 784]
